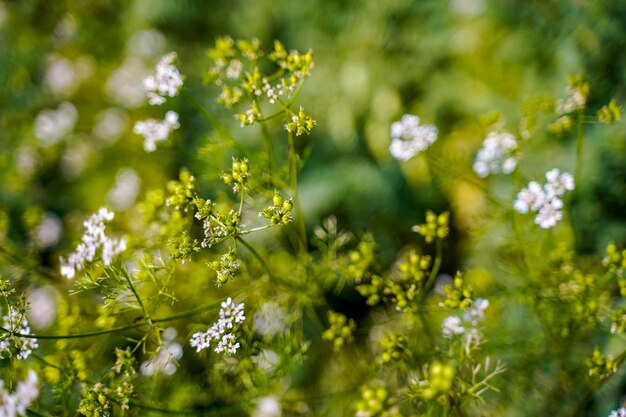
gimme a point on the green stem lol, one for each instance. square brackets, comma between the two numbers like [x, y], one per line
[580, 140]
[184, 314]
[436, 265]
[134, 291]
[243, 196]
[293, 179]
[256, 229]
[255, 254]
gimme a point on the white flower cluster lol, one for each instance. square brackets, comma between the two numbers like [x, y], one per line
[154, 131]
[496, 155]
[270, 320]
[93, 239]
[22, 347]
[166, 82]
[620, 412]
[408, 137]
[230, 314]
[25, 393]
[546, 200]
[456, 326]
[165, 360]
[52, 125]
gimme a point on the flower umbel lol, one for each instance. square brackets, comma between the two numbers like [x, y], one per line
[154, 131]
[496, 155]
[166, 82]
[408, 137]
[230, 315]
[546, 200]
[93, 239]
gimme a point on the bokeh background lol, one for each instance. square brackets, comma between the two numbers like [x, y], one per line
[71, 90]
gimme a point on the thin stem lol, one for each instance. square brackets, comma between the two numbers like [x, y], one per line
[243, 196]
[137, 297]
[184, 314]
[580, 140]
[293, 179]
[436, 265]
[255, 254]
[256, 229]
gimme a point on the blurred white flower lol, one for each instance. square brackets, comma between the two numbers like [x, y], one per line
[155, 131]
[267, 407]
[26, 160]
[266, 360]
[60, 76]
[496, 155]
[166, 82]
[452, 326]
[49, 231]
[620, 412]
[270, 320]
[110, 125]
[125, 86]
[25, 393]
[44, 306]
[52, 125]
[408, 137]
[124, 192]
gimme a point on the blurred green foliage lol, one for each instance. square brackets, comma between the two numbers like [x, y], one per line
[448, 61]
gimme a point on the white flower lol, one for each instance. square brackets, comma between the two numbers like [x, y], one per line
[550, 213]
[531, 198]
[545, 200]
[620, 412]
[267, 407]
[49, 231]
[154, 131]
[496, 155]
[452, 326]
[21, 347]
[270, 320]
[229, 315]
[25, 393]
[110, 125]
[558, 183]
[124, 192]
[476, 312]
[45, 300]
[166, 82]
[52, 125]
[93, 239]
[408, 137]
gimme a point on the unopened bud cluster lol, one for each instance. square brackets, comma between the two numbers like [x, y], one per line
[436, 226]
[459, 294]
[601, 366]
[226, 268]
[340, 330]
[238, 175]
[375, 402]
[280, 210]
